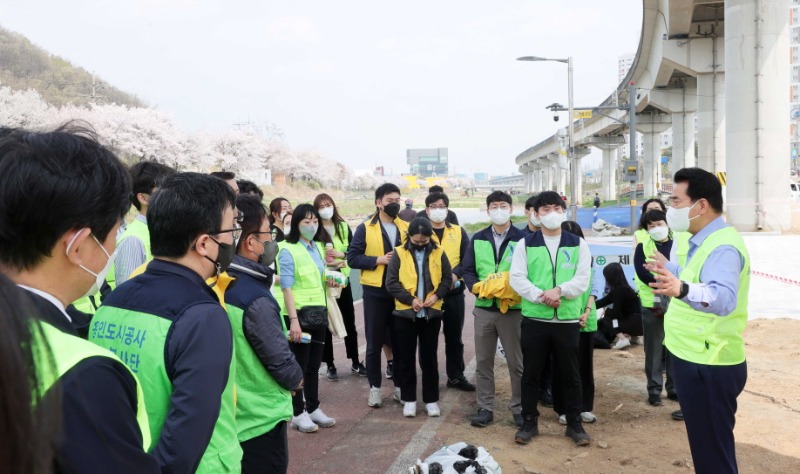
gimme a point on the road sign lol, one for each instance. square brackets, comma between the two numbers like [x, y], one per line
[631, 170]
[582, 114]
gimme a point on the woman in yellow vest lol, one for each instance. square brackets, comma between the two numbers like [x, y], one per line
[418, 277]
[301, 265]
[339, 235]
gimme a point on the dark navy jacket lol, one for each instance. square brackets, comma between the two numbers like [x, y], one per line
[356, 258]
[197, 355]
[468, 271]
[99, 403]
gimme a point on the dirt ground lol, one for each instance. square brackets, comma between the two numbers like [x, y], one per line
[632, 436]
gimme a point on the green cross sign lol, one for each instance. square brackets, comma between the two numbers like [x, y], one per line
[601, 260]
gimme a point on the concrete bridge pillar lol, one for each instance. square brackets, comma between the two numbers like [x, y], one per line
[757, 102]
[652, 126]
[683, 140]
[608, 177]
[711, 117]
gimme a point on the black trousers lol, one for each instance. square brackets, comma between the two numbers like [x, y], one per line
[345, 303]
[378, 307]
[537, 339]
[268, 453]
[426, 331]
[309, 356]
[453, 327]
[707, 395]
[586, 369]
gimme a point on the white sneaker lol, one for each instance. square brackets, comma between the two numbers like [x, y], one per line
[321, 419]
[410, 409]
[622, 343]
[396, 396]
[375, 398]
[637, 340]
[562, 419]
[433, 409]
[303, 423]
[588, 417]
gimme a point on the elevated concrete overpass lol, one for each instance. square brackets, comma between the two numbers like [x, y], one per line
[506, 183]
[723, 64]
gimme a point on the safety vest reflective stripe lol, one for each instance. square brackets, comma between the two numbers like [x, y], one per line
[705, 338]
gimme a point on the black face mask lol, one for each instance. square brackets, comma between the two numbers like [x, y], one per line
[224, 257]
[392, 209]
[419, 247]
[270, 252]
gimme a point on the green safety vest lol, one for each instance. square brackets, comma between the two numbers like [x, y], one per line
[681, 243]
[139, 340]
[641, 235]
[543, 274]
[309, 285]
[591, 321]
[646, 294]
[87, 304]
[705, 338]
[261, 403]
[342, 244]
[136, 229]
[485, 265]
[65, 352]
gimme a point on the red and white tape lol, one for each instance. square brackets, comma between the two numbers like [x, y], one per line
[788, 281]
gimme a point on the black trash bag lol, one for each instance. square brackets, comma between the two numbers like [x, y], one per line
[470, 452]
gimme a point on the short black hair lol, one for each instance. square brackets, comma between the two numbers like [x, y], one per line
[304, 211]
[653, 216]
[223, 175]
[433, 197]
[573, 228]
[249, 187]
[498, 196]
[54, 182]
[548, 198]
[435, 189]
[384, 189]
[530, 202]
[186, 206]
[419, 225]
[253, 215]
[146, 176]
[661, 204]
[701, 185]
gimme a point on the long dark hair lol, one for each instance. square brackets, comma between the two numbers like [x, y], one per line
[275, 206]
[642, 224]
[29, 421]
[305, 211]
[321, 199]
[573, 228]
[615, 276]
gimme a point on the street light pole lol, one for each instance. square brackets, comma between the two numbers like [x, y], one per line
[570, 131]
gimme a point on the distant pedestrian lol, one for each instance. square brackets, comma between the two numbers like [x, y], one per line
[596, 200]
[408, 213]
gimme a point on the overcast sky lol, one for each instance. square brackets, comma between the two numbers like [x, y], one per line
[360, 81]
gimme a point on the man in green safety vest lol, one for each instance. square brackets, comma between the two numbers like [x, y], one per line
[134, 244]
[706, 317]
[64, 196]
[267, 373]
[168, 326]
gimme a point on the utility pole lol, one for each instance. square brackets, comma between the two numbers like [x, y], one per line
[634, 157]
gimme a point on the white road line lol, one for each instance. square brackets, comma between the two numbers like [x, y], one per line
[413, 450]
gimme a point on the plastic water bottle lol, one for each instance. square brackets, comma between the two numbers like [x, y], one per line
[305, 338]
[328, 255]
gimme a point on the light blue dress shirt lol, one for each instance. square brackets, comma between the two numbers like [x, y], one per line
[131, 254]
[420, 257]
[719, 278]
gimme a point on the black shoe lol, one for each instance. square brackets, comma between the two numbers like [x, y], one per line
[577, 433]
[389, 369]
[654, 400]
[677, 415]
[673, 396]
[546, 397]
[461, 383]
[332, 375]
[359, 369]
[482, 418]
[518, 420]
[530, 428]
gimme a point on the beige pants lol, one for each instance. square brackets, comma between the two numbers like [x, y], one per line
[489, 325]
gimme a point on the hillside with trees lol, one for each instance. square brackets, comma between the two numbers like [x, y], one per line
[24, 65]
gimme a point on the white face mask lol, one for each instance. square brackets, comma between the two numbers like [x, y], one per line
[101, 276]
[438, 215]
[499, 216]
[659, 233]
[286, 230]
[534, 221]
[553, 220]
[678, 219]
[326, 213]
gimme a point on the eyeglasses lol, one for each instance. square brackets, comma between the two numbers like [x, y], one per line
[237, 232]
[272, 233]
